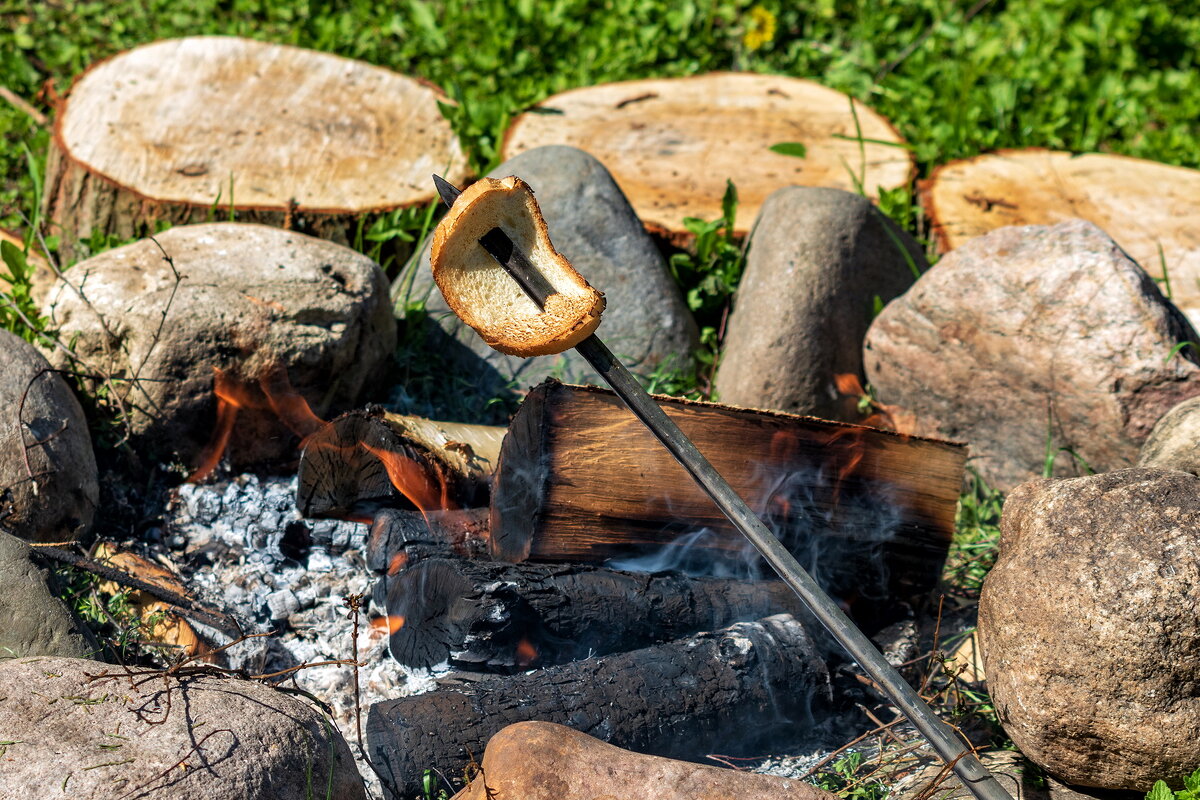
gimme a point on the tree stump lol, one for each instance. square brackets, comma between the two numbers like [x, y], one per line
[192, 129]
[672, 143]
[1141, 204]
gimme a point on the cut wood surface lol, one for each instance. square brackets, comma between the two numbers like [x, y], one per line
[370, 458]
[580, 479]
[740, 691]
[176, 129]
[399, 538]
[672, 143]
[1152, 210]
[486, 616]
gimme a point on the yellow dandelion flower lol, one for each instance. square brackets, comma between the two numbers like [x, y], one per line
[760, 30]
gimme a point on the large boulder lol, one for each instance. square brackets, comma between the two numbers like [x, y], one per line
[1030, 334]
[818, 259]
[47, 467]
[86, 731]
[259, 304]
[1089, 629]
[1174, 442]
[646, 322]
[33, 622]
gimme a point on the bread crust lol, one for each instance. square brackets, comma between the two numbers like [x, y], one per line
[482, 293]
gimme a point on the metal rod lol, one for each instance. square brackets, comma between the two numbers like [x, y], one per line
[952, 750]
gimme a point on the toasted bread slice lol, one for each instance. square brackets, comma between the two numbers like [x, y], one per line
[482, 293]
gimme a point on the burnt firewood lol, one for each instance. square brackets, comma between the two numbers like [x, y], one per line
[750, 686]
[493, 617]
[371, 459]
[398, 538]
[870, 512]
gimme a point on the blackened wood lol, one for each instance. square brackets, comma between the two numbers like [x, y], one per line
[747, 688]
[368, 459]
[399, 538]
[869, 512]
[488, 616]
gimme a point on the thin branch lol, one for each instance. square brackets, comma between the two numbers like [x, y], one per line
[20, 103]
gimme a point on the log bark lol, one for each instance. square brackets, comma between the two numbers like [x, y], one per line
[672, 143]
[1152, 210]
[276, 134]
[869, 512]
[369, 459]
[752, 685]
[486, 616]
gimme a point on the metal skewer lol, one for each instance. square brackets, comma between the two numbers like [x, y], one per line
[949, 747]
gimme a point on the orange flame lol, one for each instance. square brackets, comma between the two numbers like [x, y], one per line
[526, 653]
[288, 404]
[412, 481]
[389, 623]
[228, 404]
[398, 562]
[847, 383]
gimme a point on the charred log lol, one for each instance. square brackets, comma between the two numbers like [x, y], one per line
[371, 459]
[751, 685]
[398, 538]
[494, 617]
[870, 512]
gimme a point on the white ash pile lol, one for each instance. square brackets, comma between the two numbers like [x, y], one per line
[245, 549]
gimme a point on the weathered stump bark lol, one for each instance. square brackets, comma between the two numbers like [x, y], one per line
[870, 512]
[1152, 210]
[672, 143]
[370, 458]
[493, 617]
[186, 130]
[730, 691]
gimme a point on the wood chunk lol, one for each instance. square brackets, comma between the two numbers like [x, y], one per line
[672, 143]
[870, 512]
[370, 458]
[184, 129]
[752, 685]
[1143, 205]
[485, 616]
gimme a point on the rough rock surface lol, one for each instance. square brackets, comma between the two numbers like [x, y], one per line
[544, 761]
[1028, 329]
[817, 260]
[48, 478]
[1022, 780]
[1089, 629]
[645, 323]
[1174, 442]
[250, 300]
[33, 622]
[192, 737]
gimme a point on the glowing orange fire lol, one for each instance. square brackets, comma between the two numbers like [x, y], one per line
[389, 623]
[412, 480]
[229, 401]
[883, 416]
[526, 653]
[398, 562]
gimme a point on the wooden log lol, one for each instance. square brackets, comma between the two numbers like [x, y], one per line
[488, 616]
[869, 512]
[398, 538]
[368, 459]
[544, 761]
[672, 143]
[187, 129]
[1152, 210]
[749, 686]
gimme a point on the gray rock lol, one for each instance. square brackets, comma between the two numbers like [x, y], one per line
[817, 260]
[253, 302]
[33, 622]
[646, 322]
[1088, 624]
[1029, 330]
[1174, 442]
[86, 732]
[48, 477]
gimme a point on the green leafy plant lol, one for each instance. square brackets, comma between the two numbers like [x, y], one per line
[843, 778]
[1190, 790]
[976, 540]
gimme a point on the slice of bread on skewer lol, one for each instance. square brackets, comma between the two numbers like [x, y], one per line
[486, 297]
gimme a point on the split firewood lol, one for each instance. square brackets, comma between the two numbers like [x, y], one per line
[1152, 210]
[486, 616]
[399, 538]
[544, 761]
[280, 135]
[869, 512]
[672, 143]
[370, 459]
[750, 686]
